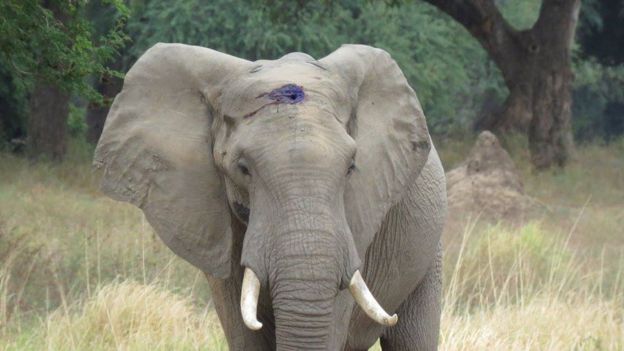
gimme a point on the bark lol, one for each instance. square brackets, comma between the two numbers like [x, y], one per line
[550, 131]
[536, 67]
[47, 124]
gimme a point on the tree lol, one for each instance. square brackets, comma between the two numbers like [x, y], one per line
[536, 66]
[47, 121]
[50, 50]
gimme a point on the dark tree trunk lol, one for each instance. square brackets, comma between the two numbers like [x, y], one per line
[536, 67]
[49, 110]
[550, 131]
[109, 87]
[47, 123]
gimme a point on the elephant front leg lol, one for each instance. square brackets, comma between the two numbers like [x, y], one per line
[419, 323]
[226, 298]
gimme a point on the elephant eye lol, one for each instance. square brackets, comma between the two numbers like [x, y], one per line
[351, 167]
[242, 166]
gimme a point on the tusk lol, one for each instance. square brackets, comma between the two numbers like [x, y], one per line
[249, 299]
[367, 302]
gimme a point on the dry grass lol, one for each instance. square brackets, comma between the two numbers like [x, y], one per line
[81, 272]
[526, 289]
[545, 323]
[126, 316]
[132, 316]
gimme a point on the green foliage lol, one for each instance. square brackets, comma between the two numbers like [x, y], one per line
[598, 109]
[76, 124]
[236, 27]
[55, 43]
[448, 68]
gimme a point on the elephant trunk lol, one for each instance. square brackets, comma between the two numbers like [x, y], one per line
[302, 253]
[304, 280]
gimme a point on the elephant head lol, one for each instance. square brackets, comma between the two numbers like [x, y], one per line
[309, 154]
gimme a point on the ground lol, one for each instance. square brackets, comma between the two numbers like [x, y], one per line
[79, 271]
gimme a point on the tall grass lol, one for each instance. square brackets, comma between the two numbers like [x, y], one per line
[526, 289]
[132, 316]
[81, 272]
[504, 290]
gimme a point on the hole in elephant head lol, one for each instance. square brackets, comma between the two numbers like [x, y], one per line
[287, 94]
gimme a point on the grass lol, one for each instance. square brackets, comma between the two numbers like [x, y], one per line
[126, 316]
[81, 272]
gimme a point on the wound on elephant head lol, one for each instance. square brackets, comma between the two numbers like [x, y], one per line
[287, 94]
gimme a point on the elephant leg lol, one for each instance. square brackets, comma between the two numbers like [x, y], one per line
[419, 315]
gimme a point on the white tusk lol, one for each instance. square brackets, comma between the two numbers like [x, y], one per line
[367, 301]
[249, 299]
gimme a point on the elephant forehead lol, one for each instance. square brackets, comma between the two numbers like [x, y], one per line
[290, 83]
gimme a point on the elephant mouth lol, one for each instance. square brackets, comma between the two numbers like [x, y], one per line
[241, 211]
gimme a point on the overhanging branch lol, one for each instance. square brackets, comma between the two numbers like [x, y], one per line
[485, 22]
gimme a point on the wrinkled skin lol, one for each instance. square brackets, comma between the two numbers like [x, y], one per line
[307, 184]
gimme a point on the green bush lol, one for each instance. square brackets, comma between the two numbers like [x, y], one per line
[76, 123]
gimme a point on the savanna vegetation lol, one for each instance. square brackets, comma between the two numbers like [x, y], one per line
[79, 271]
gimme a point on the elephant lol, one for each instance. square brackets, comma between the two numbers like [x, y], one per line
[307, 191]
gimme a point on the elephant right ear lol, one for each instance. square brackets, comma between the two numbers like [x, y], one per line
[390, 130]
[156, 151]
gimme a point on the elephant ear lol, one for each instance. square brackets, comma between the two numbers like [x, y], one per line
[156, 151]
[390, 130]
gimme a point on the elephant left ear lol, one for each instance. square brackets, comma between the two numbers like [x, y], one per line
[390, 130]
[156, 150]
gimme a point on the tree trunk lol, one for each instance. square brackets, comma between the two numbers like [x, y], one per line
[49, 110]
[109, 87]
[47, 123]
[541, 105]
[540, 96]
[536, 66]
[550, 131]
